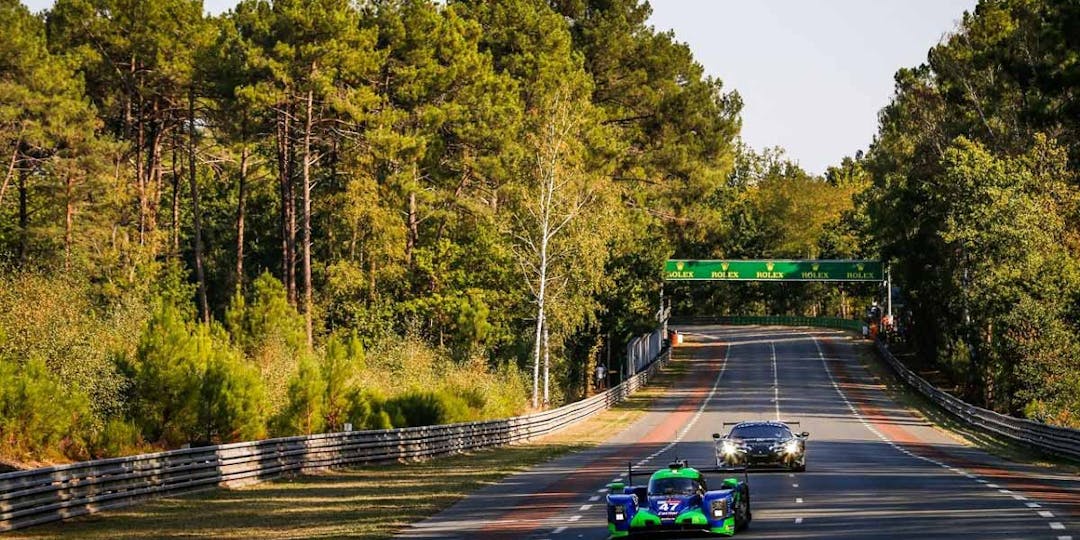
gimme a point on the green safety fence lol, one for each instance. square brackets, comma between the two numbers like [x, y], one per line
[778, 320]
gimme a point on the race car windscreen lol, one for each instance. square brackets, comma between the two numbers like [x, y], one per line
[672, 486]
[762, 431]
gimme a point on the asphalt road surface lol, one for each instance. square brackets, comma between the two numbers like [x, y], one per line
[873, 469]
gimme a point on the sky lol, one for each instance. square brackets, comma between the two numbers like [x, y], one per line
[812, 74]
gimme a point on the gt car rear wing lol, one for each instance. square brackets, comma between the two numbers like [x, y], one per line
[722, 469]
[788, 422]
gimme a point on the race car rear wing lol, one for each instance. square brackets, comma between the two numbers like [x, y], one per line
[788, 422]
[682, 463]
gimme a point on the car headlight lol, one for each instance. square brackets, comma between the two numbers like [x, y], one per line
[791, 447]
[728, 448]
[719, 508]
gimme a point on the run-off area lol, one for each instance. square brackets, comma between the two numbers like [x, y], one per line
[873, 471]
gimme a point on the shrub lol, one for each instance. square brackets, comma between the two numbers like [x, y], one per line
[167, 375]
[233, 403]
[303, 415]
[367, 410]
[39, 417]
[61, 321]
[117, 438]
[190, 386]
[415, 409]
[341, 363]
[270, 332]
[420, 408]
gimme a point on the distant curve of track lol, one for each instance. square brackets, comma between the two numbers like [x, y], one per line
[873, 470]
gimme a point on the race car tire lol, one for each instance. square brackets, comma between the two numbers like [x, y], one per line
[743, 515]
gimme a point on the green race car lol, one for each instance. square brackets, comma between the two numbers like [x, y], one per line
[678, 499]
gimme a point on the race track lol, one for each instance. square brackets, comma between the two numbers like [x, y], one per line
[873, 470]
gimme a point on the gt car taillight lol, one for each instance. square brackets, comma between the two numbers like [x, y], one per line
[620, 512]
[719, 508]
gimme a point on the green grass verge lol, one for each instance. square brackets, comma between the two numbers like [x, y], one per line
[363, 502]
[926, 409]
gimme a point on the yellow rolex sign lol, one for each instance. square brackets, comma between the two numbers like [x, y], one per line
[773, 270]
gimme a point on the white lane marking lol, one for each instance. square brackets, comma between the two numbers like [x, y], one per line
[574, 518]
[775, 381]
[594, 498]
[994, 486]
[679, 435]
[585, 508]
[798, 521]
[794, 485]
[1045, 514]
[1019, 497]
[1064, 538]
[1005, 491]
[798, 500]
[602, 490]
[864, 422]
[1033, 505]
[558, 530]
[1057, 526]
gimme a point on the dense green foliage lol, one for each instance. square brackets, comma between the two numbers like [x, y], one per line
[300, 215]
[975, 200]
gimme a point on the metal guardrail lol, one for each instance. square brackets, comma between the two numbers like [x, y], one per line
[1059, 441]
[37, 496]
[641, 350]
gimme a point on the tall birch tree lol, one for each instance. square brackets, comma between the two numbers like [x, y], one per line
[558, 197]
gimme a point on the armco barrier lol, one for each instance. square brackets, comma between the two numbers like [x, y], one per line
[38, 496]
[1054, 440]
[641, 350]
[1059, 441]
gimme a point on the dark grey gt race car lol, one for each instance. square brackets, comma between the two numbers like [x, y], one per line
[762, 444]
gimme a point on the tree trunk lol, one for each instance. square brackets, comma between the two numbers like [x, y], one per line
[547, 367]
[240, 207]
[541, 297]
[413, 235]
[288, 222]
[307, 218]
[24, 220]
[11, 164]
[204, 306]
[283, 180]
[536, 356]
[140, 177]
[176, 195]
[69, 217]
[153, 174]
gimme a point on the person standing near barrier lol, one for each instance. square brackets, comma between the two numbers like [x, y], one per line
[601, 376]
